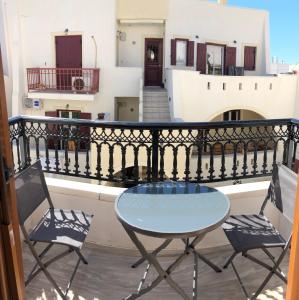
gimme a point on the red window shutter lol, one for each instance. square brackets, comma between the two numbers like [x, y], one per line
[173, 52]
[230, 57]
[85, 132]
[190, 54]
[51, 113]
[52, 129]
[249, 58]
[201, 58]
[85, 116]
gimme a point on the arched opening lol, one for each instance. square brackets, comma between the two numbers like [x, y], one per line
[232, 151]
[238, 115]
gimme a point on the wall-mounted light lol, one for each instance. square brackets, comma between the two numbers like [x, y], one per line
[66, 31]
[235, 42]
[197, 37]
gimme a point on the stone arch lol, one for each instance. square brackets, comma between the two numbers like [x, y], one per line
[246, 114]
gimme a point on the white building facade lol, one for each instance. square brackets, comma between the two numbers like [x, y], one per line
[207, 54]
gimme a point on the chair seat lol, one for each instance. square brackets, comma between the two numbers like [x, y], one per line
[60, 226]
[246, 232]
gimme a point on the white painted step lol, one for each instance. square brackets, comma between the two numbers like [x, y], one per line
[155, 105]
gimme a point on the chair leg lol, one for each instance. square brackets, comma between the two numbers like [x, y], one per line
[240, 281]
[260, 289]
[84, 260]
[230, 259]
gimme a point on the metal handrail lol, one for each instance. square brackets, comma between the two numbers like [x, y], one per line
[135, 152]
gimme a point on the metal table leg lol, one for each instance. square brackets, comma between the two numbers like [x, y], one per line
[202, 257]
[154, 262]
[155, 252]
[165, 274]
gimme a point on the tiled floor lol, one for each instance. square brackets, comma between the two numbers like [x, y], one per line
[108, 276]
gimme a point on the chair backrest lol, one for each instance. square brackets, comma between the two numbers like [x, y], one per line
[283, 189]
[31, 190]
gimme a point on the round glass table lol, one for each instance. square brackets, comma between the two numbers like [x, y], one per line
[171, 210]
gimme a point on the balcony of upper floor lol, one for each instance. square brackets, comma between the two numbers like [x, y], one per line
[76, 155]
[63, 83]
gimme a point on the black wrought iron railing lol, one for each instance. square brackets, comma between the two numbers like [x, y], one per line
[132, 153]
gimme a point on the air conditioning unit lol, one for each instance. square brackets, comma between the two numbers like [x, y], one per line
[78, 83]
[32, 103]
[28, 103]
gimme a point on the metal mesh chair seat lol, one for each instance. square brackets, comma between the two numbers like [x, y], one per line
[60, 226]
[247, 232]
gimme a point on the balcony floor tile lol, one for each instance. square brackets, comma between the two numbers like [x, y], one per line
[108, 276]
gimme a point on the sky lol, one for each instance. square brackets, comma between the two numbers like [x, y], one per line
[284, 26]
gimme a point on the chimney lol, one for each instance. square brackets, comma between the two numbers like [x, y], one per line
[224, 2]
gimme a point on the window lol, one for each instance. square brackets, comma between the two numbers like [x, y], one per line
[69, 114]
[182, 52]
[215, 59]
[249, 58]
[232, 115]
[69, 131]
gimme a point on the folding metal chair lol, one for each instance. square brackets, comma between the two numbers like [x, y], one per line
[57, 227]
[248, 232]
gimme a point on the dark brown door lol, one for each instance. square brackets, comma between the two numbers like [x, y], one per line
[153, 62]
[68, 55]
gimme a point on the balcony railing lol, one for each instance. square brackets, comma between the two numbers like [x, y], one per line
[132, 153]
[63, 80]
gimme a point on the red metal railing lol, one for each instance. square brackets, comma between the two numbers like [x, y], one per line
[79, 80]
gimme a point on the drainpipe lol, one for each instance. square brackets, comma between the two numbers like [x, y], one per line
[96, 51]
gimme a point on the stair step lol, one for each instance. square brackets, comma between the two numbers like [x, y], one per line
[155, 94]
[155, 111]
[156, 105]
[155, 101]
[156, 116]
[157, 120]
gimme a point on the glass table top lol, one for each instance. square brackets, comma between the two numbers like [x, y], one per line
[172, 208]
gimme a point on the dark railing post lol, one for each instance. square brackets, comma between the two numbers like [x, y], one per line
[155, 154]
[290, 147]
[23, 145]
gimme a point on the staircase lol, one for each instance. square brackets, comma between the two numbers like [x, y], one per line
[155, 105]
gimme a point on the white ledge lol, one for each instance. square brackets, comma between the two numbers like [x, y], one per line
[244, 188]
[100, 190]
[62, 96]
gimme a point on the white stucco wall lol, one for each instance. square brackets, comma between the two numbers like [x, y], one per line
[210, 22]
[190, 89]
[131, 51]
[36, 44]
[142, 9]
[222, 24]
[32, 40]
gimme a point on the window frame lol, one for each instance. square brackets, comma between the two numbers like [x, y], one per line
[187, 44]
[223, 56]
[230, 113]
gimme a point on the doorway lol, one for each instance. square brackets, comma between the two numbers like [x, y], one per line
[215, 59]
[153, 62]
[68, 49]
[127, 109]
